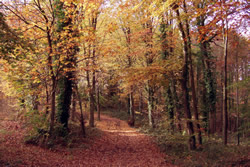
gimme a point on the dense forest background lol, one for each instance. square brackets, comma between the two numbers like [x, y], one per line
[177, 69]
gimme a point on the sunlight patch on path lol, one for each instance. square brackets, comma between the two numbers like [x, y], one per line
[124, 132]
[120, 131]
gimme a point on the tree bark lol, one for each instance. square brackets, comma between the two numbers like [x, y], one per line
[132, 111]
[184, 82]
[53, 80]
[81, 118]
[237, 99]
[47, 99]
[92, 102]
[194, 99]
[130, 102]
[73, 106]
[98, 102]
[140, 102]
[225, 112]
[150, 105]
[93, 88]
[209, 92]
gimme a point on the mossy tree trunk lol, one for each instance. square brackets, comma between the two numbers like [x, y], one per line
[166, 52]
[65, 24]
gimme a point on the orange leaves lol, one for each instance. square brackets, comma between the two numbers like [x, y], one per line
[118, 146]
[112, 27]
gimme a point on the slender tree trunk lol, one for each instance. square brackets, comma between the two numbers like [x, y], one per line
[89, 88]
[237, 99]
[98, 102]
[131, 105]
[196, 113]
[222, 100]
[53, 89]
[81, 118]
[149, 60]
[184, 82]
[73, 106]
[140, 102]
[92, 102]
[150, 105]
[130, 101]
[128, 104]
[47, 100]
[132, 112]
[225, 112]
[93, 88]
[53, 105]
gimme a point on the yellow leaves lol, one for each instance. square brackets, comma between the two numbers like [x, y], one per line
[136, 7]
[112, 27]
[70, 2]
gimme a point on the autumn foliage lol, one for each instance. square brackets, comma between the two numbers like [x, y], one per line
[172, 67]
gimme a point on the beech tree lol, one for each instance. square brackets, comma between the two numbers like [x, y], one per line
[158, 60]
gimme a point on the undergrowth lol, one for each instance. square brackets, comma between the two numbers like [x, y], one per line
[211, 153]
[38, 133]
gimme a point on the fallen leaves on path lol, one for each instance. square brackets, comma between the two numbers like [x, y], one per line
[119, 145]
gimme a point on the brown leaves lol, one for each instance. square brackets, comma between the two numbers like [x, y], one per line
[118, 146]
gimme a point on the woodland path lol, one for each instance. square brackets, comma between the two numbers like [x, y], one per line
[119, 145]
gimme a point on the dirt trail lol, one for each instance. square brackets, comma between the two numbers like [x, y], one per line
[119, 145]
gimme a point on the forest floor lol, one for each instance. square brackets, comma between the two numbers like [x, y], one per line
[117, 145]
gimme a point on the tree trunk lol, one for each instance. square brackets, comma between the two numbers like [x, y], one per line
[81, 118]
[53, 106]
[196, 113]
[64, 99]
[165, 52]
[170, 107]
[149, 60]
[209, 97]
[47, 99]
[93, 88]
[128, 104]
[73, 106]
[132, 112]
[89, 88]
[184, 82]
[237, 100]
[92, 103]
[225, 112]
[140, 102]
[150, 105]
[53, 89]
[98, 102]
[66, 79]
